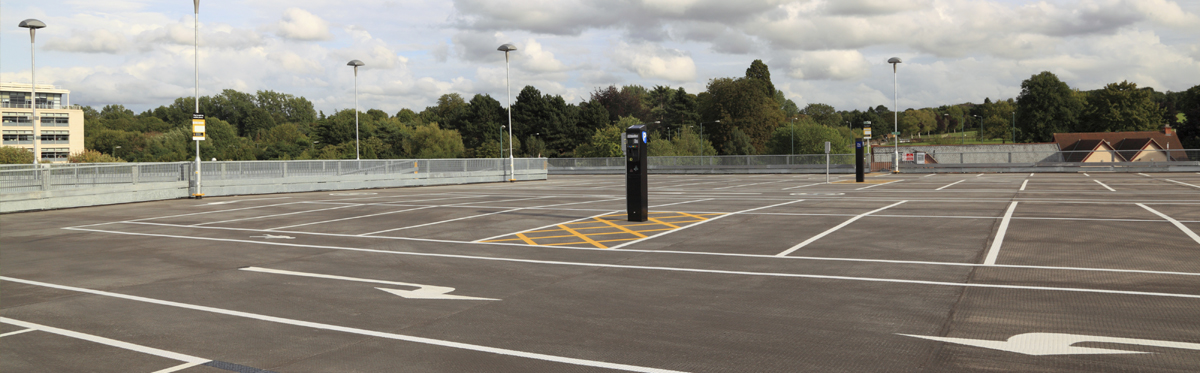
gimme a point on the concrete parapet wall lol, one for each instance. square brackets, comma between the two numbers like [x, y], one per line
[143, 192]
[1009, 153]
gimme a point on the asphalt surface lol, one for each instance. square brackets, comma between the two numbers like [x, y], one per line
[739, 273]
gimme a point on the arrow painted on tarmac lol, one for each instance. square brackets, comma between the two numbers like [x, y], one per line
[422, 291]
[1042, 344]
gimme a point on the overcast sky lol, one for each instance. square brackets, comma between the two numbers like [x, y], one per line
[139, 52]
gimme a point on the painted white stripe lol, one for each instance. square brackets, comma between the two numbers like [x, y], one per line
[806, 185]
[929, 175]
[1031, 174]
[979, 175]
[680, 203]
[948, 185]
[351, 218]
[834, 229]
[274, 215]
[703, 222]
[1177, 182]
[995, 249]
[1143, 174]
[504, 200]
[96, 338]
[1105, 186]
[872, 186]
[1179, 225]
[16, 332]
[216, 211]
[596, 249]
[1024, 184]
[542, 227]
[178, 367]
[739, 186]
[315, 325]
[1086, 174]
[440, 222]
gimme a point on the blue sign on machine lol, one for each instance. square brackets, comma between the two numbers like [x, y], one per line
[858, 144]
[644, 139]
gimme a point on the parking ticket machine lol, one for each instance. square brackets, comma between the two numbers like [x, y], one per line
[636, 187]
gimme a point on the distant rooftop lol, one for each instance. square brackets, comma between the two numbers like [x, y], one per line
[27, 87]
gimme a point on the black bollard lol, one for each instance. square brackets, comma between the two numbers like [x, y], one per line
[858, 161]
[637, 187]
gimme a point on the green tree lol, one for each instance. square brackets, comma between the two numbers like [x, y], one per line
[1046, 106]
[92, 156]
[1189, 107]
[759, 72]
[739, 144]
[809, 137]
[431, 141]
[823, 114]
[606, 141]
[15, 155]
[742, 105]
[1122, 107]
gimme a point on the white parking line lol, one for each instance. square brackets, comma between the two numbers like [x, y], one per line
[806, 185]
[834, 229]
[352, 217]
[1177, 224]
[1024, 184]
[947, 186]
[308, 324]
[274, 215]
[177, 368]
[872, 186]
[16, 332]
[739, 186]
[706, 221]
[995, 249]
[680, 203]
[477, 216]
[1105, 186]
[99, 339]
[1177, 182]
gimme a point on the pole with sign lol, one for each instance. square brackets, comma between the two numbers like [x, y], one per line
[826, 162]
[198, 136]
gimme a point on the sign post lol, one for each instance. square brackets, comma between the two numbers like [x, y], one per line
[867, 141]
[198, 136]
[826, 162]
[637, 189]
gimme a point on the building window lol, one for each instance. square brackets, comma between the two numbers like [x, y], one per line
[55, 137]
[18, 119]
[56, 119]
[55, 154]
[22, 100]
[18, 137]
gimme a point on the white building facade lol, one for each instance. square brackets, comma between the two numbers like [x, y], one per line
[60, 131]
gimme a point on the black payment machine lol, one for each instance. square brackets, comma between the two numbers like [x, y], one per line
[637, 189]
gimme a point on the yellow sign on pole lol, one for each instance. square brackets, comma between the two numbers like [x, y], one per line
[198, 127]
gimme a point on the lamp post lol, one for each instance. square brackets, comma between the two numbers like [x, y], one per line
[980, 125]
[115, 151]
[512, 168]
[793, 151]
[1013, 127]
[196, 88]
[356, 64]
[33, 25]
[895, 112]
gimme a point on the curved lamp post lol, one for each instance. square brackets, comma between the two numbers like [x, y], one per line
[356, 64]
[512, 168]
[895, 113]
[33, 25]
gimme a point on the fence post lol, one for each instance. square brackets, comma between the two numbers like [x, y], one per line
[45, 172]
[135, 172]
[284, 171]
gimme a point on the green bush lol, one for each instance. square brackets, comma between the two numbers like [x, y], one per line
[15, 155]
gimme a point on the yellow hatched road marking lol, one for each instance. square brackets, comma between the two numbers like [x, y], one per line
[618, 226]
[526, 239]
[673, 226]
[583, 236]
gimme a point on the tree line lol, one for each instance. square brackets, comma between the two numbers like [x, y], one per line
[733, 116]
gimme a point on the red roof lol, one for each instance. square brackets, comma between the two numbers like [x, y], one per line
[1067, 141]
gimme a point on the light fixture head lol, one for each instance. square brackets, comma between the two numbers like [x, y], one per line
[32, 24]
[507, 48]
[355, 63]
[894, 60]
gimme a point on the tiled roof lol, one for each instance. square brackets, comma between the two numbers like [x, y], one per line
[1066, 140]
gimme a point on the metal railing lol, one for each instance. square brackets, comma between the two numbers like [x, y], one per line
[1079, 157]
[43, 177]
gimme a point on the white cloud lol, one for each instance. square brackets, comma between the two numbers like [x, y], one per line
[834, 65]
[299, 24]
[537, 59]
[655, 62]
[94, 41]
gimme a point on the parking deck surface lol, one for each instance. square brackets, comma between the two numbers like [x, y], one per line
[735, 273]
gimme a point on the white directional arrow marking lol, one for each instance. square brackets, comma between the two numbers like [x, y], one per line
[422, 292]
[273, 236]
[1041, 344]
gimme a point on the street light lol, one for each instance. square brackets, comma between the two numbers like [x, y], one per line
[512, 168]
[1013, 127]
[196, 93]
[356, 64]
[115, 151]
[702, 135]
[33, 25]
[895, 112]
